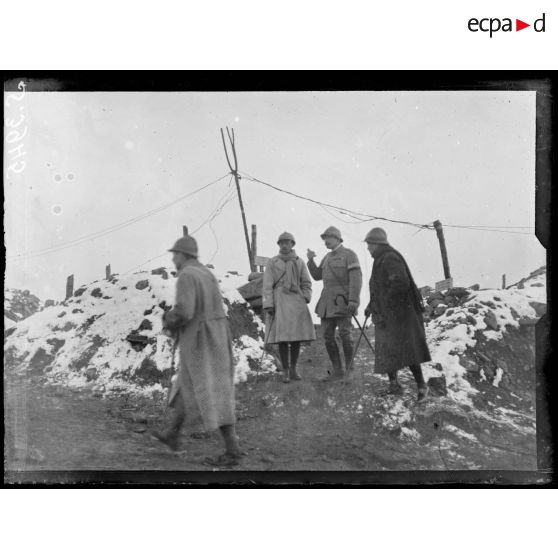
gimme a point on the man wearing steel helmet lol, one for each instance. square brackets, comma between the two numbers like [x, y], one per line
[396, 309]
[287, 289]
[203, 392]
[342, 277]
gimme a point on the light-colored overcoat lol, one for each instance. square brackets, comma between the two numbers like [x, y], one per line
[291, 320]
[206, 371]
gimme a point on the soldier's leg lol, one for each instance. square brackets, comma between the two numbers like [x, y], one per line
[230, 438]
[328, 331]
[345, 332]
[295, 351]
[284, 354]
[232, 454]
[394, 385]
[419, 379]
[170, 435]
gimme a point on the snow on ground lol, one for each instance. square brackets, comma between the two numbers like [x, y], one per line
[449, 335]
[90, 329]
[229, 284]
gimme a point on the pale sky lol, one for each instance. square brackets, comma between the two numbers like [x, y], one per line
[97, 159]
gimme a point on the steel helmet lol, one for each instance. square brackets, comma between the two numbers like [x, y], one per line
[286, 236]
[332, 231]
[376, 236]
[186, 245]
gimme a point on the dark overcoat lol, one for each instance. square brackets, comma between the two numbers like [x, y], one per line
[397, 312]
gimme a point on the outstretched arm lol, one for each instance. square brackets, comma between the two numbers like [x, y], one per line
[315, 270]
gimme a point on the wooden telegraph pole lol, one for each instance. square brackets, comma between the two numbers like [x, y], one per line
[234, 172]
[254, 244]
[69, 287]
[504, 281]
[442, 241]
[108, 273]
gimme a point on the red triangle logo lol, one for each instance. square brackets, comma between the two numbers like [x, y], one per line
[519, 25]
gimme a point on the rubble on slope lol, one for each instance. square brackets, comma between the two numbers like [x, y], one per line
[19, 305]
[84, 341]
[484, 335]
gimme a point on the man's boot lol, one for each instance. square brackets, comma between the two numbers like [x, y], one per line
[333, 352]
[284, 354]
[419, 379]
[394, 385]
[294, 375]
[295, 352]
[348, 350]
[170, 436]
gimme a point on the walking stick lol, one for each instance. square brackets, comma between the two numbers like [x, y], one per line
[364, 334]
[349, 368]
[172, 373]
[264, 351]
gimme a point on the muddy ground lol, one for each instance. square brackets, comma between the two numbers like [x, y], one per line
[302, 426]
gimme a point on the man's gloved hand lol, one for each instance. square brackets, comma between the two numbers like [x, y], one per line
[310, 254]
[270, 312]
[367, 312]
[352, 307]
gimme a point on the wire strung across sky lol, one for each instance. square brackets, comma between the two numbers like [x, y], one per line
[113, 228]
[358, 217]
[215, 212]
[364, 217]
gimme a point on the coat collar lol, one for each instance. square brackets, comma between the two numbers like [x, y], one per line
[381, 250]
[193, 262]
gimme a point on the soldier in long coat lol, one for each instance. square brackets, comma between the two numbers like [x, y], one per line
[287, 290]
[397, 313]
[203, 393]
[342, 277]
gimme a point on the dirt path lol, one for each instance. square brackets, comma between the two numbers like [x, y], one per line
[308, 425]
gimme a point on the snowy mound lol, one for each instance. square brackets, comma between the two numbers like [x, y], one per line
[465, 337]
[19, 305]
[108, 336]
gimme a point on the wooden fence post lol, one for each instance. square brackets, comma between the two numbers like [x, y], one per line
[108, 274]
[442, 241]
[254, 244]
[69, 287]
[504, 281]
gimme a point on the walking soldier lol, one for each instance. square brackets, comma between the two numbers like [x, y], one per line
[287, 289]
[203, 392]
[397, 313]
[342, 277]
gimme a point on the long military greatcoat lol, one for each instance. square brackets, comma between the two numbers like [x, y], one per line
[342, 277]
[205, 375]
[292, 320]
[397, 312]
